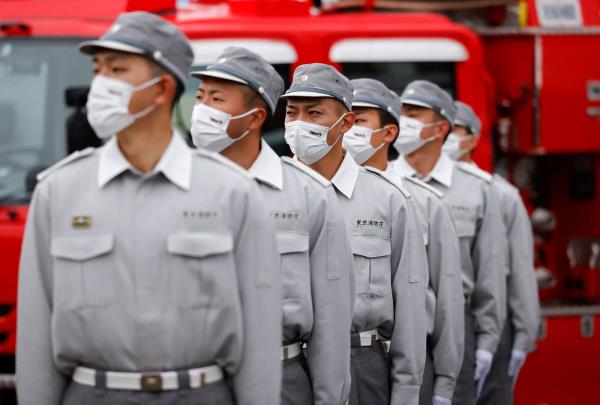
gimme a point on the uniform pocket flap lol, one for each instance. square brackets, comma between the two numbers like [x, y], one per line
[465, 228]
[80, 248]
[199, 244]
[290, 242]
[370, 247]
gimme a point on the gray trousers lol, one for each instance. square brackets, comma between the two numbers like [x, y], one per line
[370, 373]
[497, 389]
[296, 388]
[217, 393]
[426, 391]
[464, 393]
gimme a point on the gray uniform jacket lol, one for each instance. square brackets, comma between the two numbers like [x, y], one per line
[390, 268]
[474, 204]
[445, 300]
[316, 264]
[124, 271]
[521, 287]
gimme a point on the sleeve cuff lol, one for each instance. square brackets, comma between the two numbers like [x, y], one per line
[405, 395]
[487, 342]
[444, 387]
[523, 342]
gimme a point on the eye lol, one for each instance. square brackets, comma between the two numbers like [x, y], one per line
[118, 69]
[360, 121]
[315, 113]
[289, 113]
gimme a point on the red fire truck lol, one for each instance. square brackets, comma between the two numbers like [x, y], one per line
[530, 68]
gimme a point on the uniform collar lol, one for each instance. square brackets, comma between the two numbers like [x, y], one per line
[175, 163]
[346, 176]
[267, 167]
[442, 171]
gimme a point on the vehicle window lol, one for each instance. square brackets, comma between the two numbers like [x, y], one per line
[396, 75]
[34, 75]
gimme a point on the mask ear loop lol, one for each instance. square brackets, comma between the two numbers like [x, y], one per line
[333, 126]
[246, 114]
[382, 142]
[143, 86]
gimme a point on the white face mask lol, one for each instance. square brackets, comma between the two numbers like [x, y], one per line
[452, 147]
[409, 139]
[309, 141]
[108, 105]
[209, 127]
[357, 142]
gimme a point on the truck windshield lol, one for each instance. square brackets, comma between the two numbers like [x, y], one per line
[34, 75]
[396, 75]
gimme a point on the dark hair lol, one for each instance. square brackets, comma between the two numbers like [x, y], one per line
[386, 118]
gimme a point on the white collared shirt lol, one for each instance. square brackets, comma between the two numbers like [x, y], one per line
[316, 264]
[477, 217]
[175, 163]
[441, 172]
[390, 267]
[168, 270]
[345, 178]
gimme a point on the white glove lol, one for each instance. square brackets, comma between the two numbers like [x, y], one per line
[517, 359]
[441, 401]
[483, 364]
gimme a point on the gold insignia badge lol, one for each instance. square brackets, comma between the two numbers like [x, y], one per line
[81, 221]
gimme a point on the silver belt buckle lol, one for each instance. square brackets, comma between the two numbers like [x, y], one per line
[151, 382]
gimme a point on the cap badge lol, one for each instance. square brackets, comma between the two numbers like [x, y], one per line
[304, 78]
[115, 28]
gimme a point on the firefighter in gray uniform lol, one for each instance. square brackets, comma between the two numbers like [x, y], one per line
[427, 118]
[140, 280]
[390, 264]
[377, 111]
[518, 336]
[315, 252]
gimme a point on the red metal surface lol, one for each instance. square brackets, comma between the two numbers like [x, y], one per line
[564, 369]
[567, 68]
[12, 221]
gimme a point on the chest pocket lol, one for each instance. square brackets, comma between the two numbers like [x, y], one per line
[295, 266]
[372, 272]
[201, 267]
[83, 271]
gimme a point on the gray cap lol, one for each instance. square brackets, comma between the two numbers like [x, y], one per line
[372, 93]
[147, 34]
[320, 80]
[243, 66]
[466, 117]
[430, 95]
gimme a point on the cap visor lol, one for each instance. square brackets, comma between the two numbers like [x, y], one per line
[219, 75]
[311, 94]
[365, 104]
[91, 47]
[417, 103]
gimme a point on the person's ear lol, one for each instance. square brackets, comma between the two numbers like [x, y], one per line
[347, 122]
[442, 129]
[391, 131]
[258, 118]
[168, 89]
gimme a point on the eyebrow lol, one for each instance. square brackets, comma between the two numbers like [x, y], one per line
[304, 105]
[210, 92]
[111, 57]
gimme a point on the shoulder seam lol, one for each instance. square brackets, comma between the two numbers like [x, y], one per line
[73, 157]
[468, 168]
[225, 162]
[390, 180]
[426, 186]
[307, 170]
